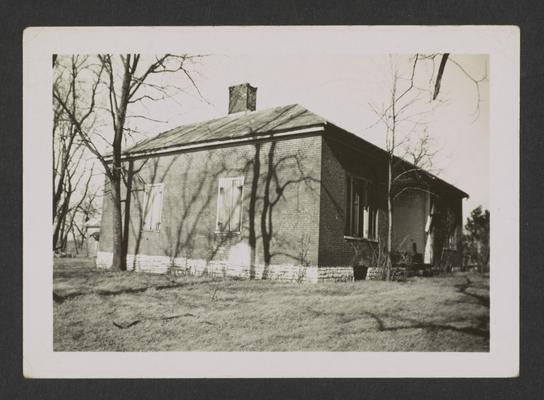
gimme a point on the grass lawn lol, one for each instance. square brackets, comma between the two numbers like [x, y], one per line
[106, 311]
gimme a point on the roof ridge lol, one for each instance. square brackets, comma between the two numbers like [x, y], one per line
[197, 124]
[265, 119]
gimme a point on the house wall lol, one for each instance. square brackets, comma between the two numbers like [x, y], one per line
[447, 221]
[187, 237]
[308, 219]
[410, 212]
[334, 249]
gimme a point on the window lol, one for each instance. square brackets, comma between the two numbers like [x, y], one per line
[229, 205]
[361, 209]
[153, 207]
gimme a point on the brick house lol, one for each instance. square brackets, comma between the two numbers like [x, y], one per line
[276, 194]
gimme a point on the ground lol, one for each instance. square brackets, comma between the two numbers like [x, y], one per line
[125, 311]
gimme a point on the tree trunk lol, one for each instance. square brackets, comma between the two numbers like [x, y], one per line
[389, 220]
[266, 215]
[252, 209]
[119, 262]
[56, 235]
[126, 217]
[58, 232]
[265, 233]
[117, 232]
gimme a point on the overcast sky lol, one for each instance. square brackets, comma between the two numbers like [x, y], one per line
[340, 88]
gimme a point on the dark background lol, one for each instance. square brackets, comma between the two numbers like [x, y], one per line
[529, 15]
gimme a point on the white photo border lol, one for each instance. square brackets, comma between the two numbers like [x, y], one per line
[501, 43]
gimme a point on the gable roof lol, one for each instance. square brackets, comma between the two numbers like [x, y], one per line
[232, 126]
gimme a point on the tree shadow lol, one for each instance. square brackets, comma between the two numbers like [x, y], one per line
[479, 326]
[462, 288]
[59, 299]
[481, 329]
[190, 229]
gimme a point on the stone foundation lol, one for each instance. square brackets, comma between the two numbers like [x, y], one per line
[335, 274]
[187, 266]
[375, 274]
[397, 274]
[280, 272]
[141, 263]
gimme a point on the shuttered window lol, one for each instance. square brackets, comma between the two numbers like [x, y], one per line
[153, 207]
[361, 209]
[229, 205]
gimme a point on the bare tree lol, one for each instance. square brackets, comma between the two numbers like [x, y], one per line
[71, 178]
[82, 210]
[421, 152]
[446, 58]
[404, 117]
[400, 116]
[119, 82]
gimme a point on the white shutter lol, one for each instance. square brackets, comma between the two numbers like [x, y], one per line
[236, 218]
[366, 221]
[356, 213]
[220, 220]
[153, 207]
[229, 204]
[157, 207]
[147, 203]
[376, 231]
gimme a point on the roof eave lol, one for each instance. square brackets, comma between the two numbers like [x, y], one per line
[383, 152]
[287, 133]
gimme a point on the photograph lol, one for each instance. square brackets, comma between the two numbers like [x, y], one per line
[234, 232]
[255, 199]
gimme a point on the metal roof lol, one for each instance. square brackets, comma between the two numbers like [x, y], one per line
[246, 124]
[232, 126]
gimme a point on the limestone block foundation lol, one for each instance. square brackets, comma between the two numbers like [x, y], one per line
[187, 266]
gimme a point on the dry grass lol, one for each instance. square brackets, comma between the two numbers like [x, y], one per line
[106, 311]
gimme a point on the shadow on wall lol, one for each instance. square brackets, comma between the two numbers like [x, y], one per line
[274, 176]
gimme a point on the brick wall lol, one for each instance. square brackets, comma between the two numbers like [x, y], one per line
[188, 222]
[334, 249]
[307, 220]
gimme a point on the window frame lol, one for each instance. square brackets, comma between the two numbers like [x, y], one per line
[147, 191]
[228, 231]
[372, 218]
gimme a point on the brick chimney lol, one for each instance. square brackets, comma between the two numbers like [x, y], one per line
[242, 97]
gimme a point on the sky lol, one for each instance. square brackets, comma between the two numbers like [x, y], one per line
[343, 89]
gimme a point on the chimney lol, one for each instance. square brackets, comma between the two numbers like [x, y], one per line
[242, 97]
